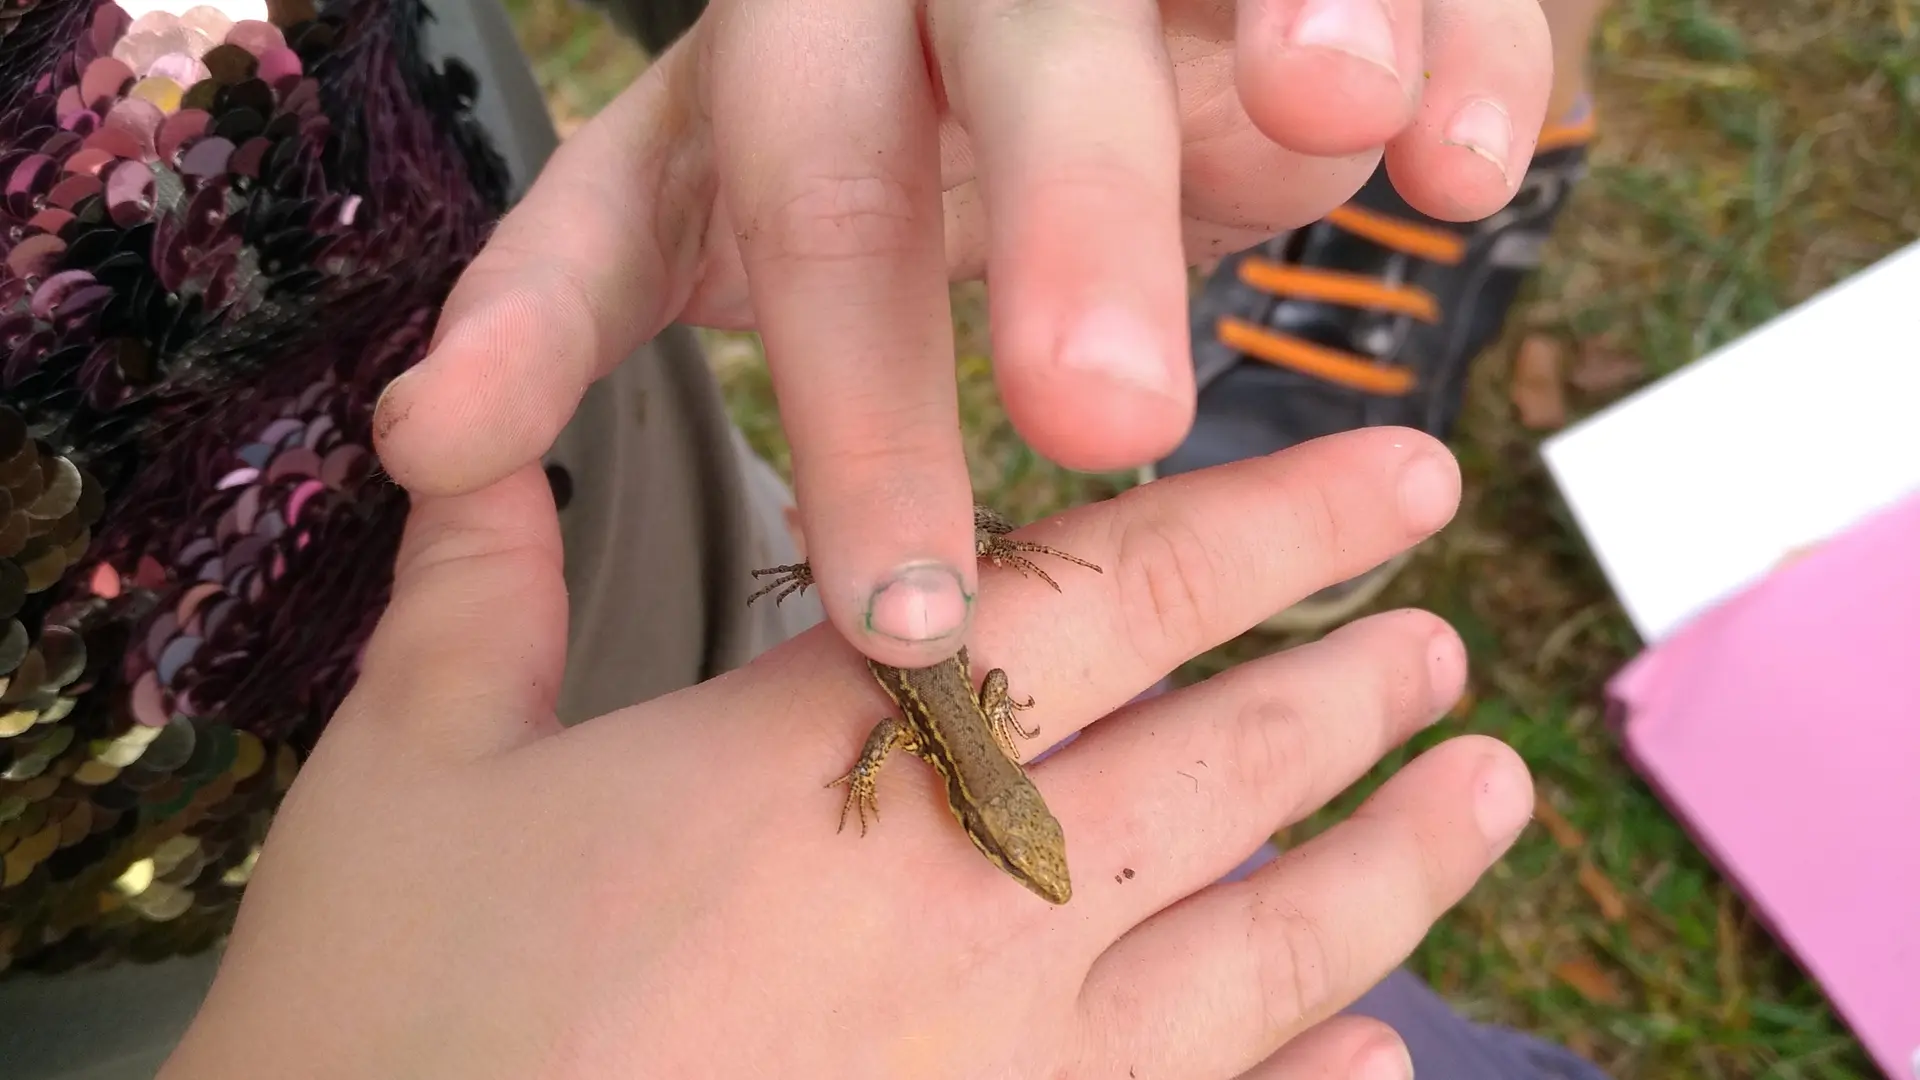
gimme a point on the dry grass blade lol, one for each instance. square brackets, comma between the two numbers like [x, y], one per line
[1589, 980]
[1600, 368]
[1564, 833]
[1537, 392]
[1606, 895]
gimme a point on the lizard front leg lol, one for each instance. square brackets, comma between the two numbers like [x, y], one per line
[789, 579]
[785, 581]
[887, 736]
[990, 522]
[997, 702]
[990, 542]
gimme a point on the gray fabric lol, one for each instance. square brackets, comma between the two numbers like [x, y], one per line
[1446, 1047]
[115, 1024]
[661, 533]
[670, 516]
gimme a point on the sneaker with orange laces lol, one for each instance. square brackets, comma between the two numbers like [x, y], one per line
[1367, 317]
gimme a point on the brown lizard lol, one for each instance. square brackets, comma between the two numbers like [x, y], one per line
[966, 737]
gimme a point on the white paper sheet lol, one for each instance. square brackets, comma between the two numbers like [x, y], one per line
[1701, 483]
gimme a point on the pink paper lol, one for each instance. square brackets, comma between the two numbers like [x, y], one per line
[1783, 728]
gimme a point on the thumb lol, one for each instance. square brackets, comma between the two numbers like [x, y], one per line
[601, 253]
[469, 654]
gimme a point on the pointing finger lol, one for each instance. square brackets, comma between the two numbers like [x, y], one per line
[829, 147]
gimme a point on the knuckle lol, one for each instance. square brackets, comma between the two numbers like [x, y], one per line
[884, 435]
[1394, 690]
[1423, 861]
[1094, 26]
[437, 547]
[1169, 586]
[521, 254]
[1271, 744]
[1431, 866]
[976, 34]
[1313, 520]
[838, 218]
[1298, 964]
[881, 463]
[512, 301]
[1402, 693]
[1099, 180]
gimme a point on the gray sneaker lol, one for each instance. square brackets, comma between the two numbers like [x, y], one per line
[1370, 316]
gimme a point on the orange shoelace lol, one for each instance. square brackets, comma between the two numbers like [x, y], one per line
[1428, 243]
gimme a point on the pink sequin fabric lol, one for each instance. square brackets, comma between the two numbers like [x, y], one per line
[219, 240]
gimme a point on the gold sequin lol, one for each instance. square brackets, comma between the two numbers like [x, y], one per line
[160, 90]
[41, 844]
[17, 866]
[172, 852]
[161, 902]
[40, 789]
[285, 767]
[135, 879]
[95, 773]
[248, 756]
[126, 749]
[242, 873]
[17, 721]
[77, 824]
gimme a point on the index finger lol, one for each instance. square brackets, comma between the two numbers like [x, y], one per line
[827, 142]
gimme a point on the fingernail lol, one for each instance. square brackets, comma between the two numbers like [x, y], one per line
[921, 602]
[1359, 28]
[1502, 803]
[1387, 1059]
[1446, 670]
[1483, 127]
[1115, 342]
[381, 422]
[1429, 491]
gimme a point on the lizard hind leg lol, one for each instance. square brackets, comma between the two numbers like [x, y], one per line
[861, 798]
[999, 705]
[862, 795]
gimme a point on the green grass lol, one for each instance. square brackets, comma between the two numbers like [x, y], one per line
[1750, 155]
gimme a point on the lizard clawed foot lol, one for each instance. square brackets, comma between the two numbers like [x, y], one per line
[1013, 721]
[787, 580]
[1001, 551]
[999, 705]
[862, 796]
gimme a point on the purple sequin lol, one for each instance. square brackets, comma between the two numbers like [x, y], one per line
[219, 241]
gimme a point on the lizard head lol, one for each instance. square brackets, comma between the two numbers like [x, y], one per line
[1032, 849]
